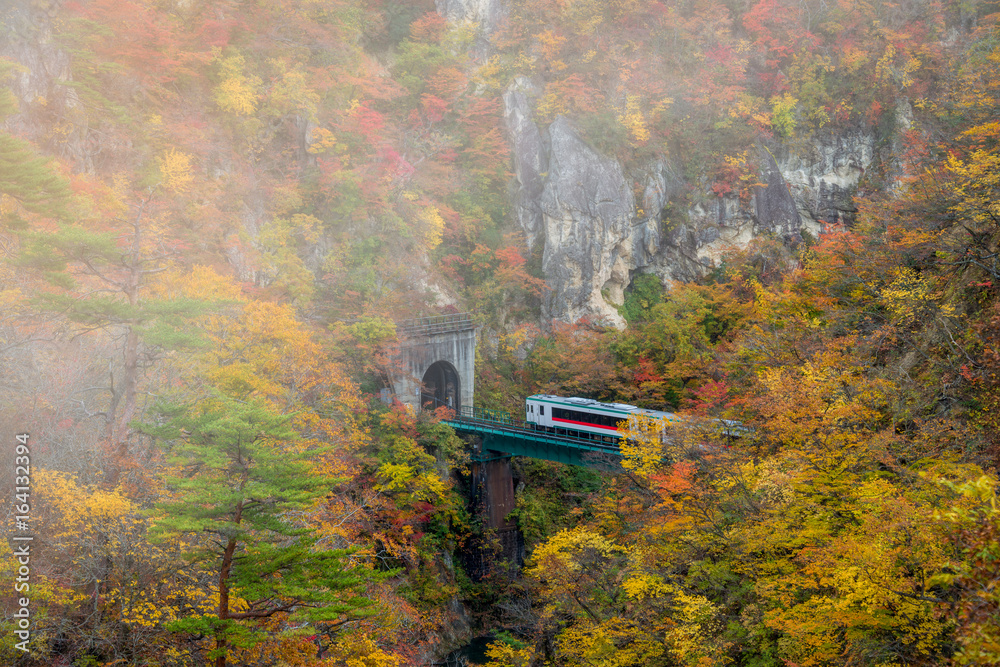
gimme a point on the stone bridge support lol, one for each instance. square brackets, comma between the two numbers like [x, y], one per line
[500, 550]
[437, 358]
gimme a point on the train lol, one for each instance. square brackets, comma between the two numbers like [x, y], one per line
[584, 417]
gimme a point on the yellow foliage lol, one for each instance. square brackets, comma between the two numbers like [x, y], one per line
[46, 597]
[356, 650]
[551, 45]
[432, 227]
[264, 351]
[568, 551]
[323, 141]
[615, 642]
[498, 71]
[237, 92]
[907, 295]
[120, 184]
[75, 510]
[978, 183]
[889, 72]
[175, 170]
[198, 282]
[424, 486]
[783, 115]
[503, 654]
[644, 585]
[689, 638]
[643, 445]
[632, 118]
[291, 93]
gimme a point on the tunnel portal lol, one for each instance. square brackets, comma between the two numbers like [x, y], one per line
[441, 386]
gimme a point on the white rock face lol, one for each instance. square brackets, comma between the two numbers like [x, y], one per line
[597, 234]
[486, 13]
[588, 213]
[822, 178]
[531, 159]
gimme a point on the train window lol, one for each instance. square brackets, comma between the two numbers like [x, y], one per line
[541, 410]
[610, 421]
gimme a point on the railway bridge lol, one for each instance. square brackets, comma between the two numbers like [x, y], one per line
[498, 436]
[437, 364]
[503, 435]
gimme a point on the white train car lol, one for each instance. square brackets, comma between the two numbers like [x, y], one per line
[583, 417]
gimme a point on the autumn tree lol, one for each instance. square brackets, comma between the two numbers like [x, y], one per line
[235, 497]
[100, 270]
[975, 530]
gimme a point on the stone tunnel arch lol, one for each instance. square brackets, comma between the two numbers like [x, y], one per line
[441, 386]
[436, 362]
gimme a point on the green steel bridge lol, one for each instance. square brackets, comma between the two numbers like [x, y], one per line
[510, 436]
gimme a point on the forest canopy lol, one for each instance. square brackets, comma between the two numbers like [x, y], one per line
[214, 213]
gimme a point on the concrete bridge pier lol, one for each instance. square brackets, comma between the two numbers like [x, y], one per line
[437, 357]
[501, 549]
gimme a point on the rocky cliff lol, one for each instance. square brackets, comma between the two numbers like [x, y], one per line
[597, 234]
[598, 223]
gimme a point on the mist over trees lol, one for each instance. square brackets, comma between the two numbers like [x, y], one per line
[212, 213]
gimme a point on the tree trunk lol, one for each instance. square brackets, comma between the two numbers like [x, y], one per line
[125, 393]
[221, 644]
[220, 636]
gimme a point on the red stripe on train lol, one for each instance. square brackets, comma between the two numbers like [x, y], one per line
[570, 421]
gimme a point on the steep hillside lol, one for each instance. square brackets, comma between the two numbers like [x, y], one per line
[784, 214]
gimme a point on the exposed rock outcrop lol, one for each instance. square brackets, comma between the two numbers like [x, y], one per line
[486, 15]
[598, 232]
[774, 208]
[588, 213]
[531, 159]
[40, 84]
[484, 12]
[823, 174]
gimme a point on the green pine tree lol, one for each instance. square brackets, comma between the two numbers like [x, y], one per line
[232, 506]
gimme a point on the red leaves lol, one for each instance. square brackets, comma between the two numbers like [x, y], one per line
[399, 419]
[674, 479]
[709, 399]
[369, 123]
[430, 27]
[510, 257]
[448, 83]
[434, 107]
[216, 33]
[646, 372]
[149, 43]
